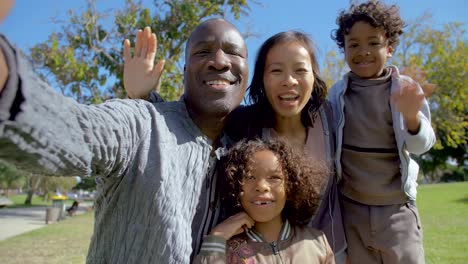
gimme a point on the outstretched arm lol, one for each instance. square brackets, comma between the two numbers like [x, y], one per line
[141, 76]
[44, 132]
[5, 6]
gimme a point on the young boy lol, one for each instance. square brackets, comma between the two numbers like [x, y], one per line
[380, 118]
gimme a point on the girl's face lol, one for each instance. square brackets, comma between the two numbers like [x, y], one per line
[288, 78]
[367, 50]
[263, 194]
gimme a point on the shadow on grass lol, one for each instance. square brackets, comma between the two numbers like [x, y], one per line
[462, 200]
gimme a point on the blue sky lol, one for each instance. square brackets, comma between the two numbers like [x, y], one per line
[30, 21]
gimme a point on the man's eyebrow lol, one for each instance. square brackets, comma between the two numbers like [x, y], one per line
[201, 43]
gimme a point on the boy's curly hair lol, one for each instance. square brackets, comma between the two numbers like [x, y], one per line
[376, 14]
[303, 180]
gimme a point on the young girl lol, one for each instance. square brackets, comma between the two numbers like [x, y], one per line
[275, 193]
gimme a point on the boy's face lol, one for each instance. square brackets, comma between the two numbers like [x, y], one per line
[263, 193]
[367, 50]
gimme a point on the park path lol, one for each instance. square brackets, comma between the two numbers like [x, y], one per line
[15, 221]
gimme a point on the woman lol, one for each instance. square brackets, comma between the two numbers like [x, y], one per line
[287, 97]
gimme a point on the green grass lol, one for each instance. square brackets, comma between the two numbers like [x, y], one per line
[63, 242]
[18, 201]
[444, 214]
[443, 209]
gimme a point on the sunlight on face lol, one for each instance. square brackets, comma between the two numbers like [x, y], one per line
[263, 191]
[288, 78]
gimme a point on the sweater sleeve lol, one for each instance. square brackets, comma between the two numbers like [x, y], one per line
[46, 133]
[213, 251]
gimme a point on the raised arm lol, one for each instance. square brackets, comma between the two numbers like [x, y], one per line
[410, 101]
[141, 76]
[44, 132]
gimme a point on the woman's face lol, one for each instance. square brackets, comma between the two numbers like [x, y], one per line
[288, 78]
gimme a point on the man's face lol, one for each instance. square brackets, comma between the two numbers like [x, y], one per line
[216, 70]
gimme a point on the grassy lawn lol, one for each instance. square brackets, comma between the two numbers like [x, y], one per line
[64, 242]
[444, 215]
[443, 209]
[18, 201]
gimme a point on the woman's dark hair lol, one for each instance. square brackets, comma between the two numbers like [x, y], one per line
[256, 89]
[376, 14]
[303, 180]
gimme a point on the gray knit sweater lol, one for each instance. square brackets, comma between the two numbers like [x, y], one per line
[151, 161]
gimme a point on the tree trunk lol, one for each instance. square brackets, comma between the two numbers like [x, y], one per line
[32, 185]
[29, 196]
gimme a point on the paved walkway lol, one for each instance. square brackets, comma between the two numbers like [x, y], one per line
[15, 221]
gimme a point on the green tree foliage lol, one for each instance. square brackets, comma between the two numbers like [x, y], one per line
[10, 177]
[335, 67]
[86, 54]
[436, 57]
[46, 185]
[51, 184]
[86, 184]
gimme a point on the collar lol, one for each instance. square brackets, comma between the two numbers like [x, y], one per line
[285, 233]
[225, 142]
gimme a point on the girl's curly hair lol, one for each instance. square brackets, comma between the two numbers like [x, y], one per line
[376, 14]
[303, 180]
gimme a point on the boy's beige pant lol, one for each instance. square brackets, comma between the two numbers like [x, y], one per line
[382, 234]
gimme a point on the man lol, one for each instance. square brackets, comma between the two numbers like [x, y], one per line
[154, 162]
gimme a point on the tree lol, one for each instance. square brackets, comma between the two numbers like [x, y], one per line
[87, 55]
[50, 184]
[86, 184]
[32, 185]
[10, 177]
[335, 67]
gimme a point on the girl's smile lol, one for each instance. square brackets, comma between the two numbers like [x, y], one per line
[263, 193]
